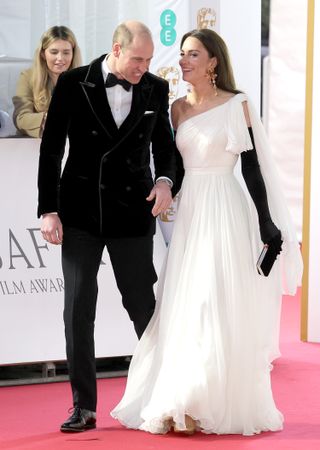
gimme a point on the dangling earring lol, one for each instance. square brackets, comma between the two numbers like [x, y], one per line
[212, 77]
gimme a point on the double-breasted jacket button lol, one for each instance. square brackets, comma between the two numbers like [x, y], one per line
[103, 186]
[94, 133]
[128, 188]
[140, 135]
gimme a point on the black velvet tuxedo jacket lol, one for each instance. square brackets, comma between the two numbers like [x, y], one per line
[107, 175]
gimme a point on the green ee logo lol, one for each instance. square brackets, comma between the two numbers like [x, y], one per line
[168, 34]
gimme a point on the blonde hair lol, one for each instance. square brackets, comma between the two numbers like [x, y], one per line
[41, 83]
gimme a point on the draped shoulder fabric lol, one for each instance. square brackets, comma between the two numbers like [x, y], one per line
[290, 259]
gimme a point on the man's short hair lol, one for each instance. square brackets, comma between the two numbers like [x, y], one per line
[126, 31]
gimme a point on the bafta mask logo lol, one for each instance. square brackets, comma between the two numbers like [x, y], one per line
[169, 214]
[206, 18]
[172, 75]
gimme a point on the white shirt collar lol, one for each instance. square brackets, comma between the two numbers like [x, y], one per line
[105, 68]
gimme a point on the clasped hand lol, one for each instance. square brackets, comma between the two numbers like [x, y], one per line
[271, 235]
[161, 192]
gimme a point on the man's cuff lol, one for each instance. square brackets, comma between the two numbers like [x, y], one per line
[165, 180]
[45, 214]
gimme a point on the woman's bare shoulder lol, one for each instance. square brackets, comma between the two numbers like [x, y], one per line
[179, 103]
[177, 108]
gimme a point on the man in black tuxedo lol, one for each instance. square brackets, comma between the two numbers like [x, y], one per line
[106, 195]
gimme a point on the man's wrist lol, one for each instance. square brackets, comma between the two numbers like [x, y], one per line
[165, 180]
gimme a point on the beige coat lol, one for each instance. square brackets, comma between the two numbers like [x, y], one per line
[25, 115]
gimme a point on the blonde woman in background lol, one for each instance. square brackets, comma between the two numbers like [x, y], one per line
[57, 52]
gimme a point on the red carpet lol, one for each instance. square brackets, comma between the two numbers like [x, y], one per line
[31, 415]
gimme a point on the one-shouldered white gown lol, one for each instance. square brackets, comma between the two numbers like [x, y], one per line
[208, 349]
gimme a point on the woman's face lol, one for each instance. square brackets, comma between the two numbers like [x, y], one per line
[58, 56]
[195, 61]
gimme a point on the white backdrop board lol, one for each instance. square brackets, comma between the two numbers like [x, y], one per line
[286, 98]
[31, 282]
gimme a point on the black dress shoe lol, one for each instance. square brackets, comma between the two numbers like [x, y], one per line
[80, 420]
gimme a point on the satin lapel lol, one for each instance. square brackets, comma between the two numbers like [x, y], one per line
[140, 99]
[95, 92]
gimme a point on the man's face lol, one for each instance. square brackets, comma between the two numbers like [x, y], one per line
[133, 61]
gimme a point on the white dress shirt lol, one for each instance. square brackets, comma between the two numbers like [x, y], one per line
[119, 99]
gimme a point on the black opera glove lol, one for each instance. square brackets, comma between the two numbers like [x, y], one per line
[268, 230]
[276, 243]
[250, 168]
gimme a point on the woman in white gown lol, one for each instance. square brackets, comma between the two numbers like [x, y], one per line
[204, 360]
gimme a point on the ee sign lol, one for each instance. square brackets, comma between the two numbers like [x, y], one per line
[168, 34]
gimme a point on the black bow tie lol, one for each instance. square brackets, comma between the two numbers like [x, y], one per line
[112, 80]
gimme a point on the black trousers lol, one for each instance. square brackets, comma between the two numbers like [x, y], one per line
[132, 262]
